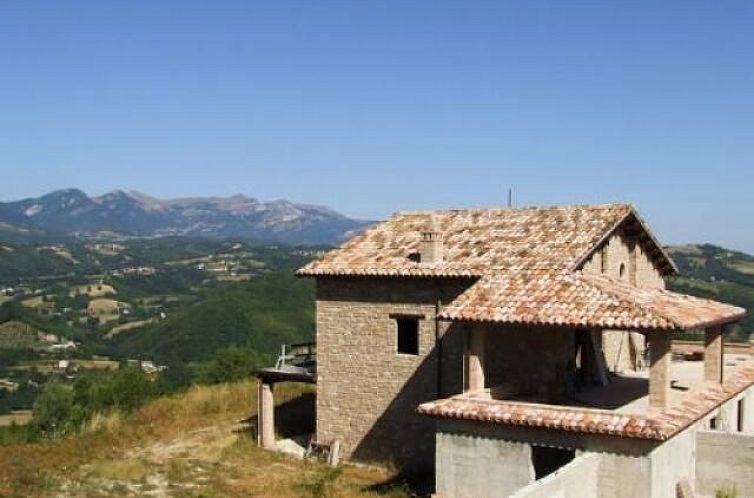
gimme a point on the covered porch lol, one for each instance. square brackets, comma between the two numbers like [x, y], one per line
[539, 405]
[539, 338]
[570, 370]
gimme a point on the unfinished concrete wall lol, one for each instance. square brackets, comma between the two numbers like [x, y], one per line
[478, 467]
[748, 415]
[622, 466]
[724, 461]
[672, 462]
[624, 475]
[735, 416]
[577, 479]
[367, 392]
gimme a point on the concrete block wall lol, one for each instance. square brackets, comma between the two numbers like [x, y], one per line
[577, 479]
[618, 467]
[673, 461]
[469, 466]
[724, 461]
[727, 416]
[367, 392]
[467, 451]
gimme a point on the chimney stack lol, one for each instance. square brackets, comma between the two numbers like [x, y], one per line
[431, 249]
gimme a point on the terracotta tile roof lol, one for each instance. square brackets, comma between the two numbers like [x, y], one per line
[654, 426]
[583, 300]
[527, 264]
[476, 242]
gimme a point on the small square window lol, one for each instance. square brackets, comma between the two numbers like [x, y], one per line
[408, 335]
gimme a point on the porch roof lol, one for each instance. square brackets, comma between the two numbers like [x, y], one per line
[583, 300]
[657, 426]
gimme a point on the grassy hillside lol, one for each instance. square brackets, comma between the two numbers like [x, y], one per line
[185, 446]
[19, 335]
[263, 313]
[716, 273]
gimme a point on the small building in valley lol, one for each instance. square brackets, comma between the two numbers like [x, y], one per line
[527, 352]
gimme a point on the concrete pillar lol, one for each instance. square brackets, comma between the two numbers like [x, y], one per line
[659, 369]
[713, 354]
[266, 416]
[475, 359]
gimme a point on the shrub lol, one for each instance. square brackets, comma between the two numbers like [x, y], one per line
[726, 493]
[53, 409]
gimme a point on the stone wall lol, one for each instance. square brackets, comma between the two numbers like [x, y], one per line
[367, 393]
[510, 363]
[623, 349]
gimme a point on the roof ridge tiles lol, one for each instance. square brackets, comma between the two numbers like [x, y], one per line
[425, 212]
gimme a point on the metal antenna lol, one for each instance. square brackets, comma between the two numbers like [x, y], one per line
[510, 197]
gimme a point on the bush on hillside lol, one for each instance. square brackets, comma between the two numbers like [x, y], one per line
[53, 409]
[230, 364]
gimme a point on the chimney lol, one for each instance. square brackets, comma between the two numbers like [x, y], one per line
[431, 248]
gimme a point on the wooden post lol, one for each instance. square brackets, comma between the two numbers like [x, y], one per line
[266, 416]
[475, 359]
[659, 369]
[713, 354]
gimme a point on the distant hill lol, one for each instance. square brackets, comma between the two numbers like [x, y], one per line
[717, 273]
[65, 212]
[19, 335]
[263, 313]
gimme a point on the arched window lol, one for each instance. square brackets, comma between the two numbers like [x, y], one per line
[622, 271]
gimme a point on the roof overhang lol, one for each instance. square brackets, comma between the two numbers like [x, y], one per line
[658, 426]
[584, 300]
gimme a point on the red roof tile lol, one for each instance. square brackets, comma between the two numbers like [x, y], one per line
[476, 241]
[583, 300]
[655, 426]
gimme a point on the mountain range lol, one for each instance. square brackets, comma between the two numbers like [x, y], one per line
[132, 213]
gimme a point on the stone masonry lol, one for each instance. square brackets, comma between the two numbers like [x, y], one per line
[367, 393]
[623, 349]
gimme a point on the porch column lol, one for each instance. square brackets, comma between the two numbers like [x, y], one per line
[475, 359]
[713, 354]
[265, 416]
[659, 369]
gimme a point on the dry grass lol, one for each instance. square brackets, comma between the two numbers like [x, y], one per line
[179, 446]
[93, 290]
[129, 326]
[18, 417]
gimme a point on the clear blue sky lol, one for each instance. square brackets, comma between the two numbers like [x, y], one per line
[376, 106]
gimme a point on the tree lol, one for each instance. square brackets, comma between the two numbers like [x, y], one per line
[52, 409]
[229, 364]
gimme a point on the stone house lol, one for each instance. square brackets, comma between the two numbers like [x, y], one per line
[525, 352]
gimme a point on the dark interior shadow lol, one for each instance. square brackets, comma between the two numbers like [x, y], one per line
[415, 485]
[292, 418]
[620, 392]
[295, 417]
